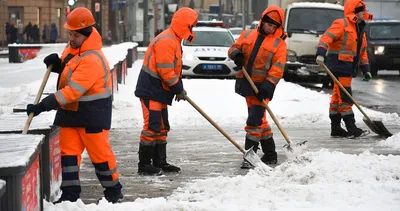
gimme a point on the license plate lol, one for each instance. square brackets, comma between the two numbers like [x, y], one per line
[211, 67]
[396, 61]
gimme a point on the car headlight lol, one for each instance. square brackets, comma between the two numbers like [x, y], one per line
[291, 56]
[190, 57]
[379, 50]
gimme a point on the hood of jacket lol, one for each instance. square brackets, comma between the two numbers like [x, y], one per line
[279, 31]
[182, 20]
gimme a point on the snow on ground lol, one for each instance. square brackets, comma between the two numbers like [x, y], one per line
[314, 181]
[319, 180]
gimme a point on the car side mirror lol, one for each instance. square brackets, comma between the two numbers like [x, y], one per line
[289, 34]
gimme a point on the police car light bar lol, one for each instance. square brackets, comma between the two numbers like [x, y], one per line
[210, 23]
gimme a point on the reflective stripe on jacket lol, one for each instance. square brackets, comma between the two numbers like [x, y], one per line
[340, 42]
[160, 76]
[84, 87]
[269, 52]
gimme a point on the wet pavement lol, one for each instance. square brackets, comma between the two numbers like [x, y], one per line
[202, 152]
[380, 94]
[205, 153]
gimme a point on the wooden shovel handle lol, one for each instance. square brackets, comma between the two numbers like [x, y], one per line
[38, 96]
[266, 106]
[345, 91]
[215, 124]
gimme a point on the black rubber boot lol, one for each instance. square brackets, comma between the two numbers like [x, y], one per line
[145, 166]
[160, 159]
[247, 145]
[69, 193]
[114, 194]
[268, 147]
[336, 129]
[353, 130]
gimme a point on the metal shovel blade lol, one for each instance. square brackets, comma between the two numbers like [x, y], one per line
[252, 157]
[294, 149]
[377, 127]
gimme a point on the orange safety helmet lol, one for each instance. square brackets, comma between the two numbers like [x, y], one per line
[79, 18]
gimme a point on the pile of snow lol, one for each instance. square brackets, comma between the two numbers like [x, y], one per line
[317, 181]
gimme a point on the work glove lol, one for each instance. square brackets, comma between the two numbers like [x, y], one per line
[266, 90]
[320, 59]
[181, 96]
[239, 60]
[367, 76]
[36, 109]
[54, 60]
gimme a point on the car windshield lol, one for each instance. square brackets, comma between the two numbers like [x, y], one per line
[385, 31]
[211, 38]
[311, 20]
[236, 31]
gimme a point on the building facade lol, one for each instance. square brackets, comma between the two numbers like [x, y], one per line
[43, 12]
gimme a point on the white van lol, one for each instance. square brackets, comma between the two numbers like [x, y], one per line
[305, 22]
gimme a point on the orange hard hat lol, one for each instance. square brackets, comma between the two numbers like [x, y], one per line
[79, 18]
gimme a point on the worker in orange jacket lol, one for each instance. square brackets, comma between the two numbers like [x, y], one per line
[346, 44]
[262, 52]
[84, 105]
[159, 81]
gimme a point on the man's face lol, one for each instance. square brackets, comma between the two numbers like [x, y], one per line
[76, 39]
[360, 16]
[269, 28]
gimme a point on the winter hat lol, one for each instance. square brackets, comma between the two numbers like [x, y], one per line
[85, 31]
[272, 17]
[359, 8]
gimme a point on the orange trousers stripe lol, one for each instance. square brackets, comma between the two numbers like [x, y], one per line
[155, 122]
[73, 141]
[257, 114]
[338, 105]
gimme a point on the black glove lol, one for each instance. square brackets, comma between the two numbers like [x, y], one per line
[239, 60]
[54, 60]
[181, 96]
[36, 109]
[266, 90]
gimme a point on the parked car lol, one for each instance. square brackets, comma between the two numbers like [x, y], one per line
[207, 55]
[383, 45]
[305, 23]
[236, 31]
[254, 24]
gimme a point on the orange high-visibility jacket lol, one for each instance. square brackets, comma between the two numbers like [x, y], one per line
[160, 76]
[84, 86]
[341, 40]
[269, 62]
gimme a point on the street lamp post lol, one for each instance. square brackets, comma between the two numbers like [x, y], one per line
[4, 43]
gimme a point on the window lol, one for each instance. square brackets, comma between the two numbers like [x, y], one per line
[38, 16]
[312, 20]
[14, 14]
[211, 38]
[236, 31]
[58, 20]
[385, 31]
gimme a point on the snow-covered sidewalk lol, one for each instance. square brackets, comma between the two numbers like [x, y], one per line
[317, 180]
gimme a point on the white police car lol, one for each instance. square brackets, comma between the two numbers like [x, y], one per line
[207, 55]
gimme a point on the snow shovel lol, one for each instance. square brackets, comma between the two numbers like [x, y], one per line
[248, 155]
[38, 96]
[375, 125]
[289, 144]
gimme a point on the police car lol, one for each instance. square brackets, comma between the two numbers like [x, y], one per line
[207, 55]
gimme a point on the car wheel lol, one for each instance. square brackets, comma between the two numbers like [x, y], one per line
[374, 70]
[327, 82]
[286, 77]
